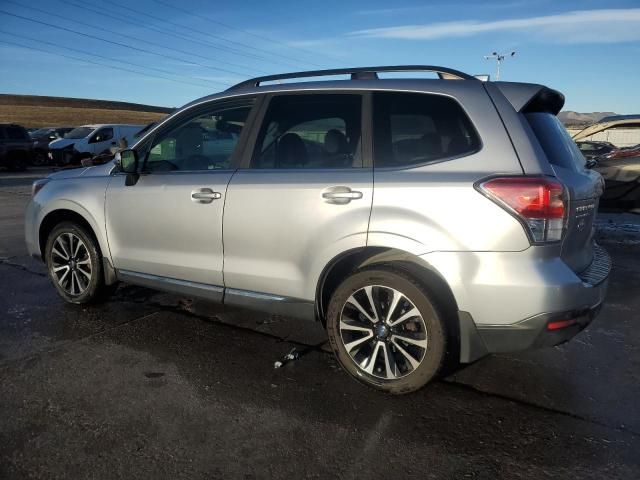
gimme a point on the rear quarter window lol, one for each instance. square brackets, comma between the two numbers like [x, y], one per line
[556, 142]
[418, 128]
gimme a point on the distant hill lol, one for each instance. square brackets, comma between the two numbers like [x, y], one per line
[570, 118]
[40, 111]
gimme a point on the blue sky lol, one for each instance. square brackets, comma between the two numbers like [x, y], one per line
[587, 49]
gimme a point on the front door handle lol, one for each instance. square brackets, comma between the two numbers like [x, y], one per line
[205, 195]
[341, 195]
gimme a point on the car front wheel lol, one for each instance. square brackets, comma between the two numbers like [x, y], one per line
[385, 330]
[74, 264]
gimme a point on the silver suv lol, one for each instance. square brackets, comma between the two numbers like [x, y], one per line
[423, 221]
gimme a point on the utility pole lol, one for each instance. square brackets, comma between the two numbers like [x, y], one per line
[499, 58]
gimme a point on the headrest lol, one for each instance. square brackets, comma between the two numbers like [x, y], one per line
[335, 142]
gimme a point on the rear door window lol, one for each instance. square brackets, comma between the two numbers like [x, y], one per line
[556, 142]
[311, 132]
[416, 128]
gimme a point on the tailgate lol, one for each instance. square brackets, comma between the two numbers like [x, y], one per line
[584, 187]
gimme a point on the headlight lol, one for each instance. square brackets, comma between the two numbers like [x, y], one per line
[38, 185]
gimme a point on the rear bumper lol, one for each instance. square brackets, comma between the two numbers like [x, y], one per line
[544, 330]
[508, 300]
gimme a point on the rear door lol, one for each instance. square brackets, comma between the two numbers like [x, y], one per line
[302, 197]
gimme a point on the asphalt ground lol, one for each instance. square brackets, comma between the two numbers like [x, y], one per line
[152, 385]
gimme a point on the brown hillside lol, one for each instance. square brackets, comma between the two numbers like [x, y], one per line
[35, 111]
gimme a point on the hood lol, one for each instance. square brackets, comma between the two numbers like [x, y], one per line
[97, 171]
[63, 142]
[67, 173]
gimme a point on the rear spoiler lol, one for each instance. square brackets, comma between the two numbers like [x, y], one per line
[531, 97]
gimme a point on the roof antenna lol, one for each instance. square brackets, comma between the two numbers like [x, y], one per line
[499, 58]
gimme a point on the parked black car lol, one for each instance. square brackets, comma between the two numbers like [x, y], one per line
[41, 138]
[593, 149]
[15, 146]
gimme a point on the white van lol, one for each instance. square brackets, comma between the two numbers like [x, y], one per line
[90, 140]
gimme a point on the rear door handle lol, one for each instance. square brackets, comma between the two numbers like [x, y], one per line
[341, 195]
[205, 195]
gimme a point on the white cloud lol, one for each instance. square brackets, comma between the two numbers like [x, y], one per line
[582, 26]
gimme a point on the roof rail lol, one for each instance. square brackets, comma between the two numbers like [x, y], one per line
[359, 73]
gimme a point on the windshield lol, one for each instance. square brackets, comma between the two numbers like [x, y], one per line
[79, 132]
[39, 132]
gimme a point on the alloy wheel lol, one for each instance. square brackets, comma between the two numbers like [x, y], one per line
[383, 332]
[71, 263]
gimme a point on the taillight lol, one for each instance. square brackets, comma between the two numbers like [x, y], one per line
[540, 202]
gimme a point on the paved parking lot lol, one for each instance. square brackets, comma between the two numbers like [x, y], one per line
[155, 385]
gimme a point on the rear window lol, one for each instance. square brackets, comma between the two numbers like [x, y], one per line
[417, 128]
[17, 133]
[556, 142]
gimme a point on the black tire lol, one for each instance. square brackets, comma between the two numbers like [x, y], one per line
[39, 158]
[385, 280]
[16, 162]
[94, 289]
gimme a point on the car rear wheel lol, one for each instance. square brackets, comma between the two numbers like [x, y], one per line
[16, 162]
[385, 331]
[74, 264]
[39, 158]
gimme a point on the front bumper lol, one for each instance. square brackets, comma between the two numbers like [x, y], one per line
[30, 229]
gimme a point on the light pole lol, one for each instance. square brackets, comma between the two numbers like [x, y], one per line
[499, 58]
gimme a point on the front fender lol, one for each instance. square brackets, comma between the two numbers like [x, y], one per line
[83, 196]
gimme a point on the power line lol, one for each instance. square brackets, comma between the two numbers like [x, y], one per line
[246, 32]
[6, 42]
[161, 31]
[189, 38]
[117, 34]
[84, 52]
[210, 34]
[119, 44]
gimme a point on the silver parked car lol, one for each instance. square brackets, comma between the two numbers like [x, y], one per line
[423, 221]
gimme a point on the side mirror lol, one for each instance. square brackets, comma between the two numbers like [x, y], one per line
[129, 165]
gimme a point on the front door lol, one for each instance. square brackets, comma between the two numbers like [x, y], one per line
[303, 197]
[168, 226]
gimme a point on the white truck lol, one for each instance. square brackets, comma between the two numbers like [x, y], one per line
[90, 140]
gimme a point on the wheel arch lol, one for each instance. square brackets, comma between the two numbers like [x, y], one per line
[67, 214]
[345, 263]
[56, 217]
[424, 273]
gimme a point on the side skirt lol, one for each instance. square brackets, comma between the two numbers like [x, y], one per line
[262, 302]
[173, 285]
[274, 304]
